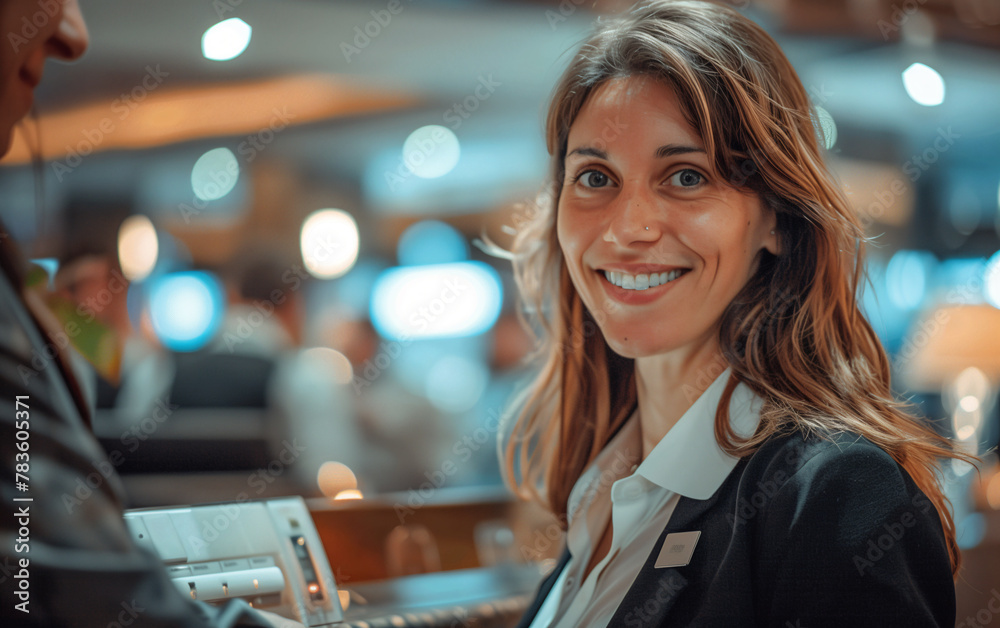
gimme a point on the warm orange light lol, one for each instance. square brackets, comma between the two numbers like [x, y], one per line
[351, 493]
[313, 588]
[138, 247]
[334, 478]
[952, 343]
[168, 115]
[993, 491]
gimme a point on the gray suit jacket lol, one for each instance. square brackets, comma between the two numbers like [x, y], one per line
[67, 552]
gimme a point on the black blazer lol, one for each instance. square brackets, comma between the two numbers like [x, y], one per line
[806, 533]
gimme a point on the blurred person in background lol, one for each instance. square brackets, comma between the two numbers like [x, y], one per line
[132, 371]
[93, 291]
[82, 567]
[406, 438]
[305, 389]
[713, 420]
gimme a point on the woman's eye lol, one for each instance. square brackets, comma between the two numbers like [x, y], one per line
[687, 178]
[593, 179]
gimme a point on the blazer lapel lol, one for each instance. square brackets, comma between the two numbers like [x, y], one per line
[655, 591]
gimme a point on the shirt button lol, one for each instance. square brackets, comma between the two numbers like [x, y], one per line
[569, 582]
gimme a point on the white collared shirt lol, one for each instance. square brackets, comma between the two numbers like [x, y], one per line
[686, 462]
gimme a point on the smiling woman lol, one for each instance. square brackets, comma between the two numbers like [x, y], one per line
[645, 207]
[695, 274]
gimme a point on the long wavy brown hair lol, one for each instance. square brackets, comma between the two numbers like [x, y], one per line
[794, 334]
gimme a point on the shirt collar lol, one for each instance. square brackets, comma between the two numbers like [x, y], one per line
[688, 460]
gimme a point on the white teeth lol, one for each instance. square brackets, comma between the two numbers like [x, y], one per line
[641, 282]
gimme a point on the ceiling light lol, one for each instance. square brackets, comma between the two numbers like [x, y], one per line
[924, 85]
[226, 40]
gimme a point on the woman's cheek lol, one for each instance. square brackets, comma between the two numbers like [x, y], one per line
[566, 234]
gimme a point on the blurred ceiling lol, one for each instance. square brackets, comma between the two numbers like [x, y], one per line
[355, 96]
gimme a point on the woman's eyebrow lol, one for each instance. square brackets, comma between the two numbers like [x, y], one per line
[667, 150]
[588, 151]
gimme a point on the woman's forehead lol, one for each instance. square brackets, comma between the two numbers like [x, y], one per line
[630, 110]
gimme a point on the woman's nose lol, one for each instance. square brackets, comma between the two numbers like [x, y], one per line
[70, 39]
[636, 217]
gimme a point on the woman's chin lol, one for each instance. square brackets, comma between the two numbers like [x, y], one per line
[633, 347]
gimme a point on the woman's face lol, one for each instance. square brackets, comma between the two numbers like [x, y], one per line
[33, 30]
[656, 245]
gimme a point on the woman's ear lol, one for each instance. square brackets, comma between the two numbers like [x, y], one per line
[772, 238]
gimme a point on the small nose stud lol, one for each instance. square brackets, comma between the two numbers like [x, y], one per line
[647, 228]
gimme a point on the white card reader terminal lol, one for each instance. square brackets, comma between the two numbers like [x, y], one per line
[266, 552]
